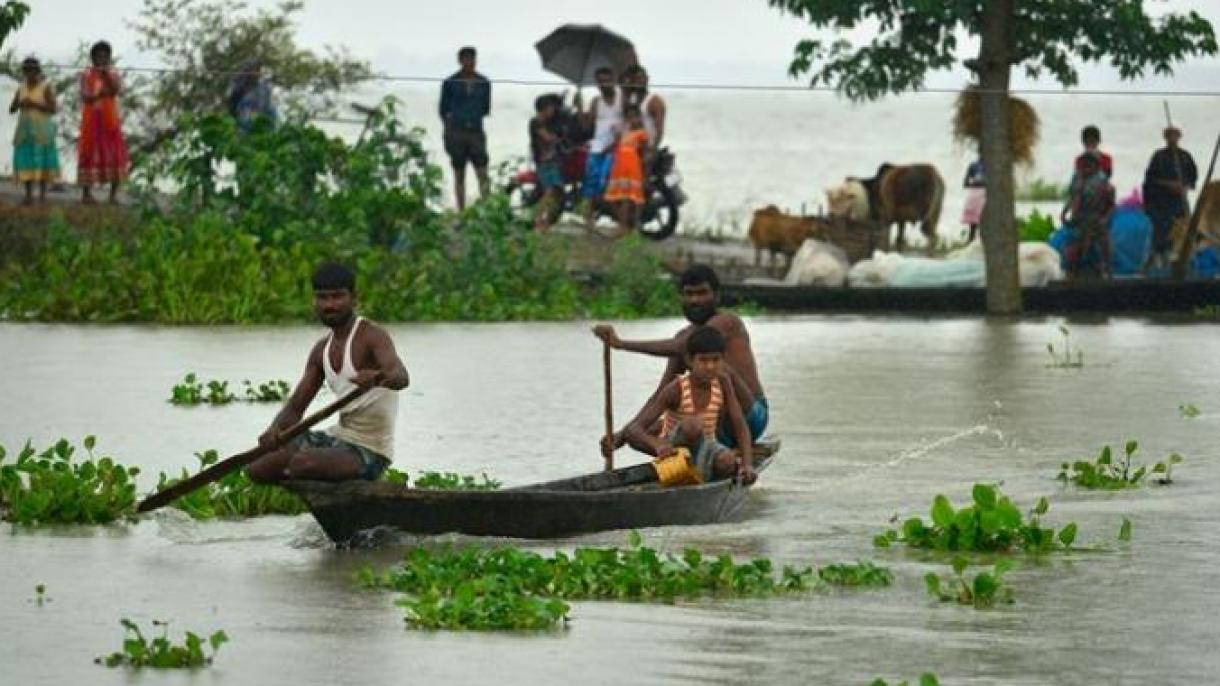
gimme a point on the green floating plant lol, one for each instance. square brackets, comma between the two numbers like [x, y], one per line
[161, 653]
[862, 573]
[991, 523]
[985, 589]
[1108, 473]
[193, 391]
[926, 679]
[450, 481]
[235, 495]
[508, 588]
[51, 487]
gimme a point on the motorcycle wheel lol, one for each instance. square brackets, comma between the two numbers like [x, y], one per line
[522, 196]
[660, 217]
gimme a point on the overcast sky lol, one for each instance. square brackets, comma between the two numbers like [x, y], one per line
[681, 41]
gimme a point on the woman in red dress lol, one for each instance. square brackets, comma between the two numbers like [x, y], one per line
[101, 152]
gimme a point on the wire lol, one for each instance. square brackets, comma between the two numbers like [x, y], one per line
[679, 86]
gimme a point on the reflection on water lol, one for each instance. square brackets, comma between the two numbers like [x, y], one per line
[877, 416]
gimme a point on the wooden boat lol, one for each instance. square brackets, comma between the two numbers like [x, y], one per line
[626, 498]
[1118, 296]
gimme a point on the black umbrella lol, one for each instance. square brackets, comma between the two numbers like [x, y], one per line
[575, 51]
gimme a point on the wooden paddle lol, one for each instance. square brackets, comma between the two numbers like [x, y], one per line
[162, 498]
[608, 454]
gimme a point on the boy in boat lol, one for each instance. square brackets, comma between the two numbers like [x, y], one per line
[355, 354]
[700, 291]
[691, 408]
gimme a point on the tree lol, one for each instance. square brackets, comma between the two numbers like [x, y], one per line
[198, 46]
[915, 37]
[12, 15]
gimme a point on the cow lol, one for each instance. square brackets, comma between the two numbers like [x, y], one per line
[894, 195]
[777, 232]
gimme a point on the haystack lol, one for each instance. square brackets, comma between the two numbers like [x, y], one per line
[968, 119]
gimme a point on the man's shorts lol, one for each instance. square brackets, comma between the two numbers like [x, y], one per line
[756, 419]
[597, 170]
[466, 145]
[549, 175]
[371, 464]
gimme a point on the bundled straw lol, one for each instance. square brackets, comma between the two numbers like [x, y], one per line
[968, 119]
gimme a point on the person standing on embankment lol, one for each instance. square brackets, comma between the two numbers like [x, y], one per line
[465, 101]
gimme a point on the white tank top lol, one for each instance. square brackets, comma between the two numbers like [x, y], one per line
[609, 122]
[650, 124]
[369, 421]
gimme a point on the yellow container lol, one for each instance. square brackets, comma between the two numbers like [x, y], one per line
[677, 469]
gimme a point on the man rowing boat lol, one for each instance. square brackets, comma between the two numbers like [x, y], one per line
[355, 354]
[700, 291]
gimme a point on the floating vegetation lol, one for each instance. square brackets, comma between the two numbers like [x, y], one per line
[493, 589]
[450, 481]
[192, 391]
[862, 573]
[1062, 358]
[234, 495]
[1188, 411]
[926, 679]
[161, 653]
[991, 524]
[1124, 531]
[484, 603]
[1106, 473]
[40, 594]
[49, 487]
[984, 590]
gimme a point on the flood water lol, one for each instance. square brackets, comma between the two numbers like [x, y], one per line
[877, 417]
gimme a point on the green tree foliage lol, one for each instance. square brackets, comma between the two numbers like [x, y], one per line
[1042, 37]
[12, 15]
[197, 47]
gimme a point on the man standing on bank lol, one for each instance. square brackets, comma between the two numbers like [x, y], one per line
[355, 354]
[700, 292]
[465, 101]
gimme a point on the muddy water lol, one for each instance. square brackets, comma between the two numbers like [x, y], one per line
[877, 416]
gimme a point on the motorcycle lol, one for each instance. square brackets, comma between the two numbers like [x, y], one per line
[658, 217]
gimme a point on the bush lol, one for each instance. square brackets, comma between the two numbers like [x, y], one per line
[239, 248]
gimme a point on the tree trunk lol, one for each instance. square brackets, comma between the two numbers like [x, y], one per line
[998, 231]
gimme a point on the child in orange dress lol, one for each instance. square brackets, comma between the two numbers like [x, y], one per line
[625, 186]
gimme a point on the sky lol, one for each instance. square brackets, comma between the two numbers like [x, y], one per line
[681, 41]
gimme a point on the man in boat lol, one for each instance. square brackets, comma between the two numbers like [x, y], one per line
[355, 354]
[692, 409]
[700, 292]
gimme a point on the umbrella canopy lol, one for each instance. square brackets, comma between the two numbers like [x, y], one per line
[575, 51]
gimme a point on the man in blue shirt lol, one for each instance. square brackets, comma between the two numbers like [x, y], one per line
[465, 100]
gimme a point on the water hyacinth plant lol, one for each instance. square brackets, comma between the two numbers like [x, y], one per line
[926, 679]
[161, 653]
[984, 590]
[450, 481]
[234, 495]
[445, 588]
[992, 523]
[50, 487]
[193, 391]
[1062, 358]
[862, 573]
[1107, 473]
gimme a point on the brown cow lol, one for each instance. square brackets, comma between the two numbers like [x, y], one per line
[907, 193]
[777, 232]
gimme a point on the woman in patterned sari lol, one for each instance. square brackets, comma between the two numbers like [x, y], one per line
[101, 153]
[35, 158]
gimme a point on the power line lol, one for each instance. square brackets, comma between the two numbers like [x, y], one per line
[680, 86]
